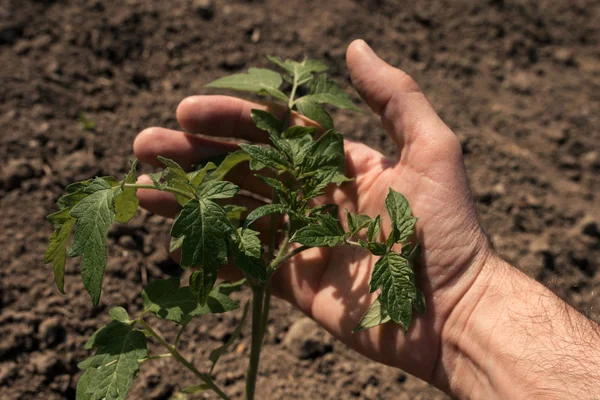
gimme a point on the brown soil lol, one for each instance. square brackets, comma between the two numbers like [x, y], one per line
[518, 81]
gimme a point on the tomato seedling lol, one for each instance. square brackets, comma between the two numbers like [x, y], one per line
[298, 164]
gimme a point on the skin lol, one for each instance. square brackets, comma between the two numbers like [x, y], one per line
[462, 278]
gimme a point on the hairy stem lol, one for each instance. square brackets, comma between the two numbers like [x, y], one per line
[177, 355]
[257, 336]
[166, 189]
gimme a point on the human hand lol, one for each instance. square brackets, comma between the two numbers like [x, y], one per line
[331, 284]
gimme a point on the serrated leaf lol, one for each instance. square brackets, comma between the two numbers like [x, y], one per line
[248, 254]
[156, 180]
[400, 214]
[202, 282]
[216, 353]
[167, 300]
[82, 385]
[176, 177]
[373, 229]
[357, 222]
[56, 253]
[256, 165]
[257, 80]
[234, 214]
[266, 121]
[119, 314]
[375, 315]
[328, 232]
[300, 71]
[315, 112]
[205, 228]
[217, 190]
[298, 132]
[262, 211]
[324, 90]
[376, 248]
[398, 291]
[126, 202]
[94, 215]
[116, 362]
[274, 183]
[228, 163]
[266, 155]
[76, 191]
[197, 177]
[216, 303]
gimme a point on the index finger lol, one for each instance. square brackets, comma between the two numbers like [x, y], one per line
[226, 116]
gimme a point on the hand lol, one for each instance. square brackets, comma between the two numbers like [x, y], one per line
[331, 285]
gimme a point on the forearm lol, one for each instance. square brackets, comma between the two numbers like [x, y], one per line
[510, 337]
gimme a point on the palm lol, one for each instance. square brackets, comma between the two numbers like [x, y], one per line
[331, 285]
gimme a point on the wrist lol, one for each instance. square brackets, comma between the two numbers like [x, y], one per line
[510, 337]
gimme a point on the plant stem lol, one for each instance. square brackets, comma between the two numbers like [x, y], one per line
[177, 355]
[165, 189]
[257, 337]
[277, 261]
[157, 357]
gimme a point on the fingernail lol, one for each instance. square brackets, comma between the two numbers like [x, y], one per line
[367, 49]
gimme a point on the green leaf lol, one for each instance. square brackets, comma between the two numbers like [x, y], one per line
[248, 254]
[262, 211]
[373, 229]
[197, 177]
[165, 299]
[324, 90]
[175, 243]
[57, 248]
[227, 288]
[266, 121]
[216, 303]
[176, 177]
[216, 353]
[400, 214]
[126, 202]
[301, 71]
[357, 222]
[257, 80]
[156, 180]
[266, 155]
[328, 232]
[202, 282]
[315, 112]
[274, 183]
[375, 315]
[228, 163]
[82, 385]
[297, 132]
[119, 314]
[76, 191]
[217, 190]
[398, 291]
[205, 226]
[110, 372]
[94, 215]
[376, 248]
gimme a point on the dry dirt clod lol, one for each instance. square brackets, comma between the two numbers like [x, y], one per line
[306, 340]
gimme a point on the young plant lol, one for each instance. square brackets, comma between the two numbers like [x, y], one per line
[299, 163]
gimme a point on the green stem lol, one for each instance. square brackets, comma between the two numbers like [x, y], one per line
[277, 261]
[157, 357]
[257, 336]
[177, 355]
[165, 189]
[178, 337]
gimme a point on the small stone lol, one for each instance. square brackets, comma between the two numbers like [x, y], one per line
[204, 8]
[52, 332]
[255, 35]
[45, 363]
[564, 56]
[556, 133]
[520, 82]
[306, 340]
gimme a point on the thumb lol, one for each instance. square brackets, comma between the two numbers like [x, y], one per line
[405, 113]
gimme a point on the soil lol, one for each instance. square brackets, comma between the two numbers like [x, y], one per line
[518, 81]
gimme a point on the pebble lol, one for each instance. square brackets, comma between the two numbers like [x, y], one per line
[306, 340]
